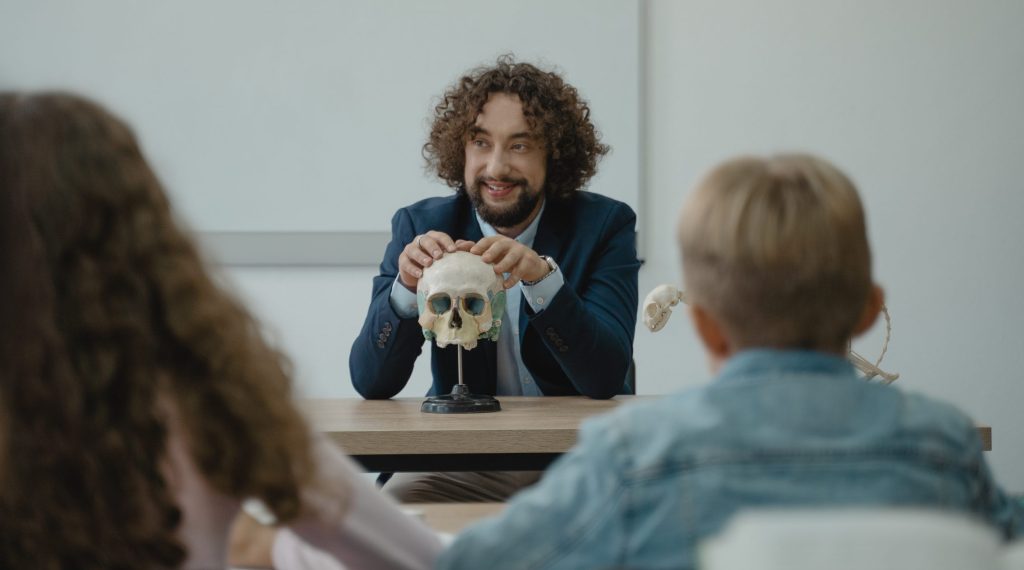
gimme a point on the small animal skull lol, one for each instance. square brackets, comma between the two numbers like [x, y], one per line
[658, 308]
[461, 300]
[658, 305]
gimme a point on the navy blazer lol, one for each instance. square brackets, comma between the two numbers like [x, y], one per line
[582, 343]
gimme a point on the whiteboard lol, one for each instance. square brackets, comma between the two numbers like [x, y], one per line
[263, 116]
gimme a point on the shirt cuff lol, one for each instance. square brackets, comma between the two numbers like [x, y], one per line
[403, 301]
[540, 295]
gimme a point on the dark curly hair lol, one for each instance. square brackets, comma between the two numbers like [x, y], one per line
[109, 312]
[552, 107]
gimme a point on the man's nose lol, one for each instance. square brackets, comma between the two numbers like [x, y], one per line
[497, 164]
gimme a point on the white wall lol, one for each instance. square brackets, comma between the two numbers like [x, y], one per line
[273, 116]
[315, 313]
[921, 102]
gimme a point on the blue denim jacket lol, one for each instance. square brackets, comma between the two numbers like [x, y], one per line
[648, 481]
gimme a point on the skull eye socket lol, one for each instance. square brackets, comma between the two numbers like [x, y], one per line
[440, 304]
[474, 304]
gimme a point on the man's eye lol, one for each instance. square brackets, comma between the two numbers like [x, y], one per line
[480, 143]
[520, 147]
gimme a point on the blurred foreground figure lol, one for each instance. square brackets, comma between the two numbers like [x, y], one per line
[139, 403]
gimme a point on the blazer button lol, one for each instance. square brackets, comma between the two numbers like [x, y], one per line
[387, 326]
[563, 348]
[380, 344]
[550, 331]
[382, 337]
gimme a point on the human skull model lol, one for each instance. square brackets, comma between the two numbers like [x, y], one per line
[461, 300]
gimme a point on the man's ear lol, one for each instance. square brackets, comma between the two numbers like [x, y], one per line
[872, 307]
[711, 333]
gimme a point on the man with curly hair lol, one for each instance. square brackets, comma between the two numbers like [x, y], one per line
[517, 145]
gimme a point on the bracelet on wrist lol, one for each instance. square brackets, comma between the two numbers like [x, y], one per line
[552, 267]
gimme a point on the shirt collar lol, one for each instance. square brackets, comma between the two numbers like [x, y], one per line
[760, 360]
[526, 238]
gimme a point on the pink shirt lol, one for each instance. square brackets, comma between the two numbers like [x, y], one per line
[346, 521]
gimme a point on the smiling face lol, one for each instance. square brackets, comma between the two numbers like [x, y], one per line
[505, 165]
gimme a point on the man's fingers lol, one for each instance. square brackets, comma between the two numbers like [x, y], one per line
[410, 268]
[484, 244]
[416, 254]
[511, 281]
[508, 262]
[498, 251]
[409, 274]
[428, 246]
[440, 243]
[411, 264]
[464, 245]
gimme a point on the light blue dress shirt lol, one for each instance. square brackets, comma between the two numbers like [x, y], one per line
[513, 377]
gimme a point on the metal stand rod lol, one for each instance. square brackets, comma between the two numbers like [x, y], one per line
[460, 401]
[460, 364]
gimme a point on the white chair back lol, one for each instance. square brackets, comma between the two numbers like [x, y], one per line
[1013, 556]
[852, 539]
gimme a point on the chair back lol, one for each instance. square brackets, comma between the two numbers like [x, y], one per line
[852, 539]
[629, 386]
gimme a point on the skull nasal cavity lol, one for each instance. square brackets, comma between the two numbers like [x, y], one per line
[456, 321]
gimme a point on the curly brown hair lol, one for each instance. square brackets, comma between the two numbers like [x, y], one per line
[119, 314]
[552, 107]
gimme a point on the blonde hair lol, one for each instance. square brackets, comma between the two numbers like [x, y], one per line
[776, 249]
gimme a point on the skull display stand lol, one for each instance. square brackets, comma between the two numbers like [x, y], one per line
[460, 401]
[461, 300]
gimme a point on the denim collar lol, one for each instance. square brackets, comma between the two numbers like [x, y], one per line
[758, 361]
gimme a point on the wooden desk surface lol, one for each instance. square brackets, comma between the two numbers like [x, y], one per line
[388, 427]
[452, 517]
[397, 427]
[986, 436]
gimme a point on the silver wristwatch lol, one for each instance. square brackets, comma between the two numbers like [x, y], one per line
[551, 263]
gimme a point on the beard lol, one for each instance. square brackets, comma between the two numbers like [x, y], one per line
[504, 216]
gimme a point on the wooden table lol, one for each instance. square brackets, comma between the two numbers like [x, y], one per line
[527, 435]
[452, 517]
[986, 436]
[394, 435]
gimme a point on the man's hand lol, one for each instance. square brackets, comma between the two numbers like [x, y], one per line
[422, 251]
[509, 256]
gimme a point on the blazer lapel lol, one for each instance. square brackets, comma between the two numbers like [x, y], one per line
[552, 230]
[469, 228]
[551, 240]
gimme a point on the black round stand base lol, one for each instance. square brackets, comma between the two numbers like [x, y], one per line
[460, 401]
